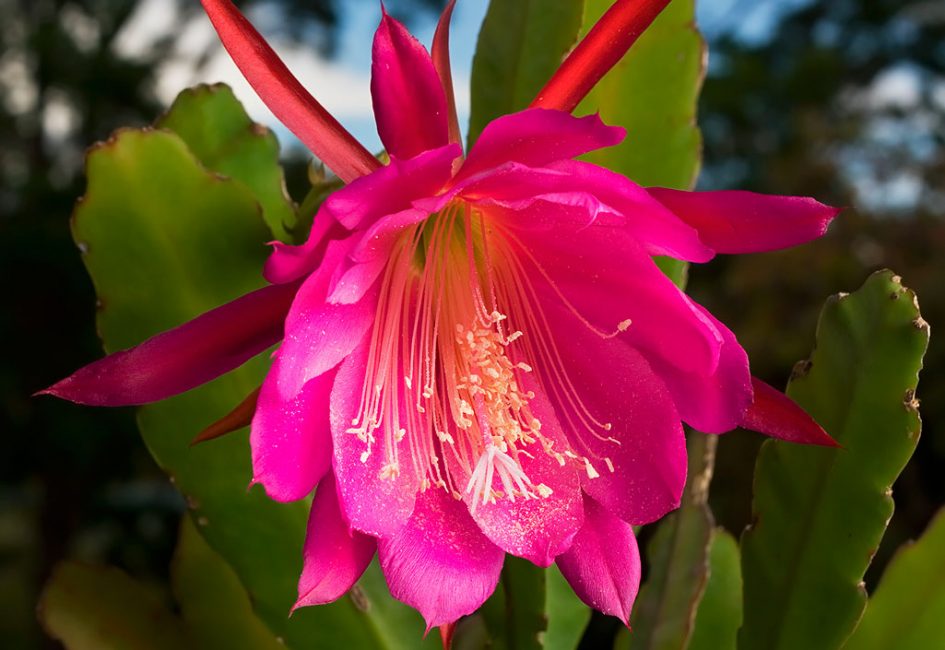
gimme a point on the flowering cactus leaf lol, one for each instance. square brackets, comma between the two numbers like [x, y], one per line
[103, 608]
[907, 611]
[521, 43]
[532, 608]
[819, 512]
[165, 240]
[523, 618]
[219, 132]
[212, 603]
[678, 559]
[567, 615]
[161, 236]
[720, 611]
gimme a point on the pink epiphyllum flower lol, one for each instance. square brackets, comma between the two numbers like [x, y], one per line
[480, 356]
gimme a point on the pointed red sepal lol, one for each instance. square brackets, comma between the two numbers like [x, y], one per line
[241, 416]
[440, 51]
[599, 51]
[286, 97]
[185, 357]
[447, 631]
[775, 414]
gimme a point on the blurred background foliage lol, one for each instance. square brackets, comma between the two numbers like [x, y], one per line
[843, 100]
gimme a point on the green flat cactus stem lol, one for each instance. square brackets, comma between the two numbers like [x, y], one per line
[819, 513]
[720, 610]
[521, 44]
[907, 612]
[219, 132]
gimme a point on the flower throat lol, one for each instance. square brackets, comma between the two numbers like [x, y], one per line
[450, 377]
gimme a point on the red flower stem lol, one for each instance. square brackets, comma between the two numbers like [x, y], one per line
[286, 97]
[599, 51]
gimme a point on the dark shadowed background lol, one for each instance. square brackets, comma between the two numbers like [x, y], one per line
[843, 100]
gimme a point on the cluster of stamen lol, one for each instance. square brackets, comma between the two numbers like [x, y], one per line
[490, 397]
[446, 374]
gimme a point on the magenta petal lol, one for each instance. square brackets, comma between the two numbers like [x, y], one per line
[290, 438]
[378, 507]
[775, 414]
[542, 528]
[185, 357]
[603, 563]
[334, 556]
[440, 563]
[561, 212]
[536, 198]
[392, 188]
[409, 102]
[711, 403]
[650, 460]
[659, 230]
[318, 335]
[745, 222]
[607, 277]
[537, 137]
[370, 256]
[287, 263]
[617, 386]
[389, 190]
[354, 282]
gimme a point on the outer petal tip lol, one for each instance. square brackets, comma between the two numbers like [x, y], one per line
[184, 357]
[440, 563]
[410, 104]
[68, 390]
[603, 565]
[334, 558]
[775, 414]
[735, 221]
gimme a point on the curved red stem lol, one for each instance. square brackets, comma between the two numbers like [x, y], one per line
[601, 49]
[286, 97]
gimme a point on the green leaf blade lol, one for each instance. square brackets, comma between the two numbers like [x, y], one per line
[720, 611]
[150, 204]
[521, 44]
[219, 132]
[820, 513]
[102, 608]
[568, 616]
[907, 612]
[213, 604]
[677, 555]
[519, 620]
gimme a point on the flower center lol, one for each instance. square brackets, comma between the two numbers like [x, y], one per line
[449, 375]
